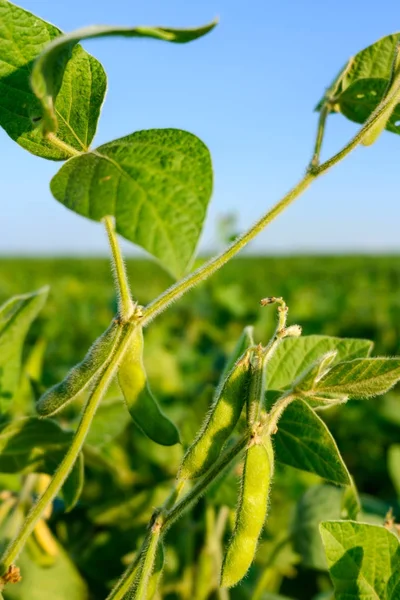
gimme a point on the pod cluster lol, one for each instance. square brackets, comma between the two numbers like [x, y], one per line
[242, 386]
[141, 403]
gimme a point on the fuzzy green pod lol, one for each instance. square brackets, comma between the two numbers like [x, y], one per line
[220, 421]
[142, 405]
[82, 375]
[251, 512]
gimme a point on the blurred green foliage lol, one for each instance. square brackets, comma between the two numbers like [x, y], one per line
[127, 475]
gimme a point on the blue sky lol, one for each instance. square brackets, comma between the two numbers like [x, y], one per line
[248, 91]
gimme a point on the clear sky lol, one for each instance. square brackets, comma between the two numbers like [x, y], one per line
[248, 91]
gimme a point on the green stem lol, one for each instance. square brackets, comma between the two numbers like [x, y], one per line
[125, 302]
[12, 551]
[122, 587]
[276, 412]
[127, 580]
[146, 565]
[201, 486]
[357, 139]
[323, 115]
[203, 272]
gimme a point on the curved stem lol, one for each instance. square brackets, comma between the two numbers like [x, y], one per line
[181, 287]
[276, 412]
[124, 584]
[146, 565]
[13, 550]
[201, 486]
[125, 302]
[375, 117]
[323, 115]
[203, 272]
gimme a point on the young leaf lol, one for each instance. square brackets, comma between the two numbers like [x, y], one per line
[79, 86]
[303, 441]
[364, 560]
[365, 80]
[48, 68]
[392, 97]
[16, 317]
[157, 185]
[361, 377]
[295, 355]
[321, 366]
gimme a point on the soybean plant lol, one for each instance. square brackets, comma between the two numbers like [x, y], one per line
[153, 188]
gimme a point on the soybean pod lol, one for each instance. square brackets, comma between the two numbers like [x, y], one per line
[220, 421]
[82, 375]
[142, 405]
[251, 512]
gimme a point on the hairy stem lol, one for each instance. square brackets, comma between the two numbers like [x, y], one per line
[323, 115]
[203, 272]
[125, 302]
[276, 412]
[123, 585]
[201, 486]
[12, 551]
[146, 565]
[181, 287]
[357, 139]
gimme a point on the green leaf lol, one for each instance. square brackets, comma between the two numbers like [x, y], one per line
[361, 377]
[295, 355]
[48, 68]
[32, 445]
[16, 316]
[364, 560]
[320, 502]
[394, 466]
[303, 441]
[365, 80]
[79, 86]
[157, 185]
